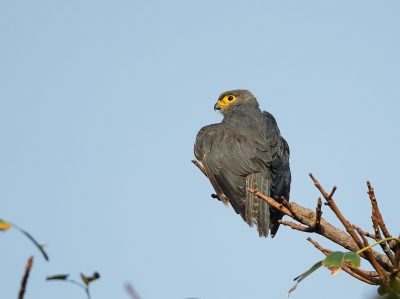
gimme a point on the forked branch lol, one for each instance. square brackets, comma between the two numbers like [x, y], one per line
[386, 265]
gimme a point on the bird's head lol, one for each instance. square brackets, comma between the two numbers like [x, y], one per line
[229, 100]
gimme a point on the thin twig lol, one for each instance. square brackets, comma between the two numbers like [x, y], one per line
[367, 234]
[319, 247]
[272, 202]
[296, 226]
[378, 237]
[335, 209]
[25, 278]
[308, 218]
[131, 291]
[371, 273]
[327, 230]
[373, 261]
[375, 208]
[370, 276]
[360, 232]
[287, 205]
[368, 253]
[200, 167]
[396, 261]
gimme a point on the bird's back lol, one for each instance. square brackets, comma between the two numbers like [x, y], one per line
[245, 151]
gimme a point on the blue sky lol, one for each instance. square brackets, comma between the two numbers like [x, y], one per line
[99, 108]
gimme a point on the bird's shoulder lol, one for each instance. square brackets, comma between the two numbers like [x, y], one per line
[244, 124]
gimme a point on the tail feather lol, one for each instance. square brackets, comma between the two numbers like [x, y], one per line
[263, 219]
[257, 210]
[250, 199]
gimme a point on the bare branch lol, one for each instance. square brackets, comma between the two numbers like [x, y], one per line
[319, 247]
[386, 265]
[368, 253]
[202, 169]
[131, 291]
[272, 202]
[367, 275]
[376, 211]
[326, 229]
[296, 226]
[360, 231]
[338, 214]
[396, 262]
[25, 278]
[378, 237]
[288, 206]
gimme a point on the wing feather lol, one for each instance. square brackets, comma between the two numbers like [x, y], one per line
[246, 151]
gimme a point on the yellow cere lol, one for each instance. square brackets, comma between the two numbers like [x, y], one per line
[226, 100]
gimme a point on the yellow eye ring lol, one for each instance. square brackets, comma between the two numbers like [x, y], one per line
[226, 100]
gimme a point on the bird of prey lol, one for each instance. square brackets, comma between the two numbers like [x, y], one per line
[246, 150]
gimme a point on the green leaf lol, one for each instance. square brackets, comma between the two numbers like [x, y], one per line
[58, 277]
[336, 260]
[304, 275]
[353, 258]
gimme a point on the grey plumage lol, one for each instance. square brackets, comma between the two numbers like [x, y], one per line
[244, 151]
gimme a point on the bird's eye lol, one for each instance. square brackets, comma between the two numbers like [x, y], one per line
[230, 98]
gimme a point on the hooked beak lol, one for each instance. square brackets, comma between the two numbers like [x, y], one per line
[217, 106]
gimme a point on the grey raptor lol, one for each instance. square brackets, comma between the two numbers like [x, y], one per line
[246, 150]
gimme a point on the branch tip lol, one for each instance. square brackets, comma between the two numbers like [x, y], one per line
[25, 278]
[199, 166]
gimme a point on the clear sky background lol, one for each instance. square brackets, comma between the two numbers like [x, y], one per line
[100, 106]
